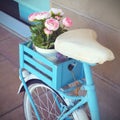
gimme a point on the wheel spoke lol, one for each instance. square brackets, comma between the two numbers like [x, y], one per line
[45, 100]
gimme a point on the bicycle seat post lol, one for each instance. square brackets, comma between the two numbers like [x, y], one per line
[91, 93]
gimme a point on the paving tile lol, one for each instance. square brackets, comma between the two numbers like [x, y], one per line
[10, 101]
[107, 103]
[10, 48]
[1, 57]
[4, 33]
[17, 114]
[9, 83]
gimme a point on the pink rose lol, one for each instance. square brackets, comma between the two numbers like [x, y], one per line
[52, 24]
[38, 16]
[47, 32]
[67, 22]
[32, 16]
[57, 17]
[42, 15]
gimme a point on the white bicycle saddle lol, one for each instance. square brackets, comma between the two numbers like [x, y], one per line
[81, 44]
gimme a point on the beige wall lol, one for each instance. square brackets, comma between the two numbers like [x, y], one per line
[102, 16]
[106, 11]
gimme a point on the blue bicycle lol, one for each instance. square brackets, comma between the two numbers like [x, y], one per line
[62, 89]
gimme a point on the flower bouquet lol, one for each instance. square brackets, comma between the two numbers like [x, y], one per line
[46, 26]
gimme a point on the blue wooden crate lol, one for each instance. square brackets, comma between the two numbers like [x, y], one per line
[55, 73]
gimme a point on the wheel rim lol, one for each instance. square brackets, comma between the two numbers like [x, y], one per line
[46, 101]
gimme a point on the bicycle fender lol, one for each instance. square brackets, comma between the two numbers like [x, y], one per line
[27, 78]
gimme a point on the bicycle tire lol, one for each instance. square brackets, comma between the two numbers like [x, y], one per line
[80, 114]
[48, 108]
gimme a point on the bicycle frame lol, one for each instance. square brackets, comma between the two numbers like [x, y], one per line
[29, 61]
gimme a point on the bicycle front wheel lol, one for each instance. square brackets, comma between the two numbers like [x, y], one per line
[49, 104]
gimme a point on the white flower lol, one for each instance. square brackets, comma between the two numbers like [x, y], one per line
[56, 11]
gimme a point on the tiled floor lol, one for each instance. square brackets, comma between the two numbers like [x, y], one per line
[10, 102]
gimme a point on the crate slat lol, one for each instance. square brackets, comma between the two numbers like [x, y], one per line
[42, 77]
[40, 66]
